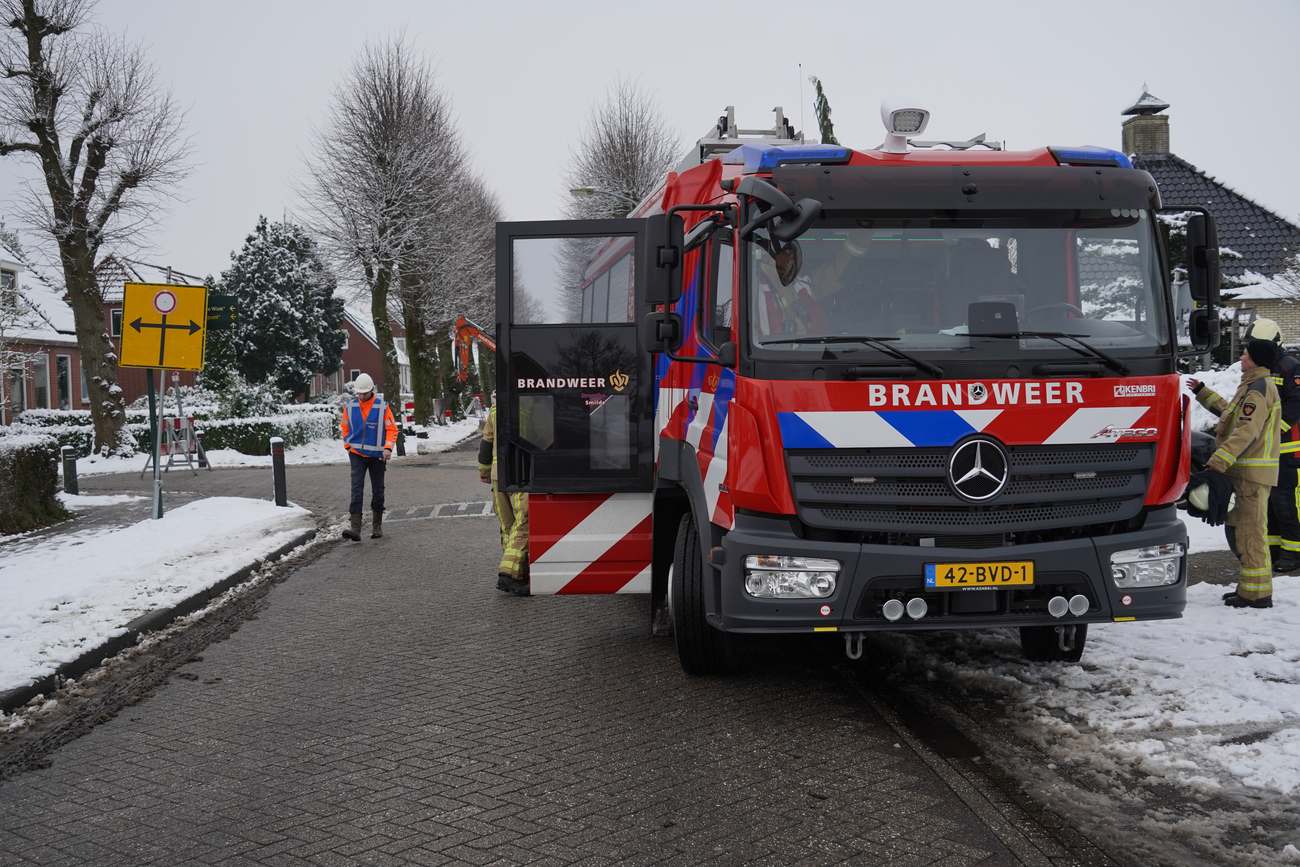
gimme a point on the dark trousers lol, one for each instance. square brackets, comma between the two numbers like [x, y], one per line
[1283, 522]
[361, 466]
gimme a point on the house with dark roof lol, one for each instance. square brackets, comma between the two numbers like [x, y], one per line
[1259, 249]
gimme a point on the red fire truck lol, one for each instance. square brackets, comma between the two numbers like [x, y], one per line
[805, 388]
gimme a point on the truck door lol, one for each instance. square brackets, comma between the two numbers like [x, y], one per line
[575, 401]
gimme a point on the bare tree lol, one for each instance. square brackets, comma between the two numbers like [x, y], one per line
[369, 177]
[109, 142]
[624, 153]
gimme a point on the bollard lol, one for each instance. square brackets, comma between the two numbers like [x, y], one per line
[277, 467]
[401, 443]
[203, 455]
[69, 470]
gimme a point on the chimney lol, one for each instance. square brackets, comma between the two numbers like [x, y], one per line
[1147, 130]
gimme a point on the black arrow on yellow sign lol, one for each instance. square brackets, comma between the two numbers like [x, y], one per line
[163, 327]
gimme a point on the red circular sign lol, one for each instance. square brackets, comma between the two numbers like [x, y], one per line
[164, 302]
[825, 611]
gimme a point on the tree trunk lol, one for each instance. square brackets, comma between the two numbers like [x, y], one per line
[418, 349]
[392, 373]
[450, 386]
[98, 354]
[487, 372]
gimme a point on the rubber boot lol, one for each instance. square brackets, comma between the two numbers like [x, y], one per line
[377, 525]
[354, 530]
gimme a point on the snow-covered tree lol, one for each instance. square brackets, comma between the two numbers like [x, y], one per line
[370, 176]
[87, 108]
[822, 108]
[290, 324]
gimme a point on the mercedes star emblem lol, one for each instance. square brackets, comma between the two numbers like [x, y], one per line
[978, 469]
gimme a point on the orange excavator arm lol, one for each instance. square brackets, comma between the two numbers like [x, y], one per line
[466, 332]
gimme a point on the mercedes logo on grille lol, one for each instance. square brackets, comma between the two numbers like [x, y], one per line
[977, 469]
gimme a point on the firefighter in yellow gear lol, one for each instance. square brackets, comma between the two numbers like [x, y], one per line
[512, 515]
[1284, 501]
[1246, 450]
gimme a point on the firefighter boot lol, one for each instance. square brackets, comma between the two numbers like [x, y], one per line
[354, 529]
[1232, 600]
[377, 526]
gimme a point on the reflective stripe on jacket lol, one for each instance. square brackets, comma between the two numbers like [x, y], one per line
[366, 435]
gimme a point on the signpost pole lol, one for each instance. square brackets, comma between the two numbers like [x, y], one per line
[155, 432]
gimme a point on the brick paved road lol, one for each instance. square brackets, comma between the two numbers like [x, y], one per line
[388, 705]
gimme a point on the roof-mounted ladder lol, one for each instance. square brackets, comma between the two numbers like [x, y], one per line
[726, 136]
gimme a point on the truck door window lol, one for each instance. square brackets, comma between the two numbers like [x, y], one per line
[560, 281]
[716, 314]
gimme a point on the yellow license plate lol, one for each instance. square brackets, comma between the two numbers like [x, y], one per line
[965, 576]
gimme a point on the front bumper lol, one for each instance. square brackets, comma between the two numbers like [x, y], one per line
[872, 574]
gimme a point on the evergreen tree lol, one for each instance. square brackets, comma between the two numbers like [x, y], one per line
[822, 107]
[290, 324]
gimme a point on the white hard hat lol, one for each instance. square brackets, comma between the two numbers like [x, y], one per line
[363, 383]
[1265, 329]
[1199, 497]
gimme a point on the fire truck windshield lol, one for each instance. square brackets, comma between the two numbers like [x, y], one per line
[940, 286]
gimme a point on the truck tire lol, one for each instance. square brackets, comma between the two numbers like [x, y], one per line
[1043, 643]
[701, 649]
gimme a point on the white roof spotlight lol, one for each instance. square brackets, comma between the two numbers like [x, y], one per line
[901, 119]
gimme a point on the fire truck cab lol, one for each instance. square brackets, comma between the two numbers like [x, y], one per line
[805, 388]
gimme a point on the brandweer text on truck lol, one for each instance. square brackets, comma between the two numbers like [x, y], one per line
[805, 388]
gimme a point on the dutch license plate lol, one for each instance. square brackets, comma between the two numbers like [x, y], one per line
[967, 576]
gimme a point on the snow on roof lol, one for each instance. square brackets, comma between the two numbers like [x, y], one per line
[50, 319]
[114, 271]
[1257, 287]
[363, 321]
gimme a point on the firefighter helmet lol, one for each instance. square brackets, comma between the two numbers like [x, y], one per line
[1265, 329]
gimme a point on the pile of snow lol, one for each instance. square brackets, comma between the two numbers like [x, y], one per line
[1224, 382]
[318, 451]
[77, 502]
[1211, 701]
[66, 594]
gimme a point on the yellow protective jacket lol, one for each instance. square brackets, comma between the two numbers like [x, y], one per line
[1247, 436]
[487, 455]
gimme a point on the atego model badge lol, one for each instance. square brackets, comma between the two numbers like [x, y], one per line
[978, 469]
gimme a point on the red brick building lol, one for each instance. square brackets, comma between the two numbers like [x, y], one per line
[361, 355]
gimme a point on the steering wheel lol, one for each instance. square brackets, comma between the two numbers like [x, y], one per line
[1064, 307]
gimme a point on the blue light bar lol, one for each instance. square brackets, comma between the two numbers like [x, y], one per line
[1088, 155]
[765, 157]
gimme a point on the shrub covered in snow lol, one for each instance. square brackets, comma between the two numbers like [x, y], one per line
[29, 479]
[252, 436]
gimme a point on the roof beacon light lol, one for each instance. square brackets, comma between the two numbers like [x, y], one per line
[901, 120]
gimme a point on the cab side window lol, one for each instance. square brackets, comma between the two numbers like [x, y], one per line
[716, 311]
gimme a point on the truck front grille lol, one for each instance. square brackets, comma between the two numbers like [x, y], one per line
[907, 490]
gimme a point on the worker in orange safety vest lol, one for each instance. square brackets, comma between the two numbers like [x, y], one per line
[369, 435]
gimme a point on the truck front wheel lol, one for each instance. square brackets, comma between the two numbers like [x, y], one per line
[1053, 643]
[701, 649]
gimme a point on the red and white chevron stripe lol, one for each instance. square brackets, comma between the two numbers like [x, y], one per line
[589, 543]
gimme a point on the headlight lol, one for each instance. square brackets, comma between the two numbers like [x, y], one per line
[1154, 566]
[777, 576]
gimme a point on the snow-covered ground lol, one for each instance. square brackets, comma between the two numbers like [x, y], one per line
[1211, 701]
[79, 502]
[321, 451]
[64, 594]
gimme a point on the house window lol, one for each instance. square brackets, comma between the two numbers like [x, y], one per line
[345, 338]
[41, 381]
[8, 288]
[355, 374]
[85, 385]
[16, 390]
[400, 343]
[115, 323]
[63, 380]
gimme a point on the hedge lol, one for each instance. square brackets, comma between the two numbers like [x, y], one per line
[29, 481]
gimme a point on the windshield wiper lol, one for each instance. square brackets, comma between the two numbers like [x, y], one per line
[881, 343]
[1087, 350]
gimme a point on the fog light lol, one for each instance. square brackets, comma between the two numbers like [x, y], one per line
[1153, 566]
[778, 576]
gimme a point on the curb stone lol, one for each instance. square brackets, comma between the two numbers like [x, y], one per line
[13, 699]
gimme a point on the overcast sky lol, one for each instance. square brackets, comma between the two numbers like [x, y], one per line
[257, 77]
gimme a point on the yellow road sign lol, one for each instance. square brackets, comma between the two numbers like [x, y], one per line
[163, 326]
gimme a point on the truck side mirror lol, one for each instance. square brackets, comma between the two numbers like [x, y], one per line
[661, 260]
[1203, 328]
[1203, 259]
